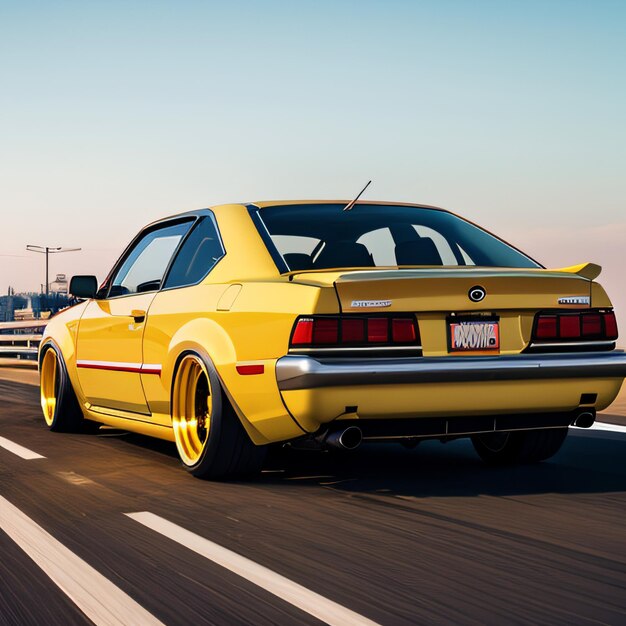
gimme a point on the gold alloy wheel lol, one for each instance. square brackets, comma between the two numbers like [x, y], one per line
[49, 386]
[191, 409]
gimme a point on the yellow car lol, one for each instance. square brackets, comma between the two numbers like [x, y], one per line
[326, 323]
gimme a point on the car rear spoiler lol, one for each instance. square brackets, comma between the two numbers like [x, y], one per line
[585, 270]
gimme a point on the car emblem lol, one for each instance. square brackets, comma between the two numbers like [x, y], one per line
[575, 300]
[476, 294]
[369, 304]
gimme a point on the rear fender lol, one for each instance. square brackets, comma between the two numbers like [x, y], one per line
[255, 399]
[62, 332]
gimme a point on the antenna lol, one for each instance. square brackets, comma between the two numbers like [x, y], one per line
[349, 206]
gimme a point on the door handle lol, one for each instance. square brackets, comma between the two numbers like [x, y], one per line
[138, 315]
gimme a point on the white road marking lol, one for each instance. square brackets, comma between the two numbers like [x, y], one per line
[21, 451]
[96, 596]
[614, 428]
[312, 603]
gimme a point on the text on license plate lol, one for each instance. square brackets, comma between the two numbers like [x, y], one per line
[474, 335]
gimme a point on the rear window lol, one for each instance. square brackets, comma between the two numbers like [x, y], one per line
[324, 236]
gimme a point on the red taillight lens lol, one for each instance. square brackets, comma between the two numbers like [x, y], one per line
[575, 326]
[591, 325]
[403, 330]
[353, 330]
[303, 332]
[546, 327]
[569, 326]
[610, 325]
[326, 331]
[378, 330]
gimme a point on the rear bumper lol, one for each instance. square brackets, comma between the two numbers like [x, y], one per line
[294, 372]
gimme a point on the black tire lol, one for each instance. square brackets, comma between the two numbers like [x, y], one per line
[519, 447]
[228, 452]
[67, 415]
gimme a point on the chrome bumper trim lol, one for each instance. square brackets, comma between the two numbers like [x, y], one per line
[305, 372]
[573, 344]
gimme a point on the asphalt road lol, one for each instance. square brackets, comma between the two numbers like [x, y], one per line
[424, 536]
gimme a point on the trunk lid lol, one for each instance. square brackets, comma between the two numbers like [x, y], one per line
[448, 290]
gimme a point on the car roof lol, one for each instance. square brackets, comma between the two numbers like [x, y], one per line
[277, 203]
[262, 204]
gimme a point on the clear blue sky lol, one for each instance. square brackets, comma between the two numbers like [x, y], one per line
[115, 113]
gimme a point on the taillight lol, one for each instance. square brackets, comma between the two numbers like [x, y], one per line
[546, 327]
[378, 330]
[324, 331]
[610, 325]
[403, 331]
[575, 326]
[353, 330]
[303, 332]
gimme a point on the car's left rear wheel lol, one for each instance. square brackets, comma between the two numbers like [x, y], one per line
[211, 441]
[193, 409]
[61, 410]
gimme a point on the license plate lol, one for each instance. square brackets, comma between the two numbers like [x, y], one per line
[474, 336]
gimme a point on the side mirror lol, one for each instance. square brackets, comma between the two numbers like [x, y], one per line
[83, 286]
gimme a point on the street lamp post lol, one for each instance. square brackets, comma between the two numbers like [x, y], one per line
[47, 250]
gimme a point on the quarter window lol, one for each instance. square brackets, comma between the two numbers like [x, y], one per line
[197, 256]
[145, 265]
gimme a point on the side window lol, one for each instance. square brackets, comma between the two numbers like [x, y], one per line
[143, 268]
[197, 256]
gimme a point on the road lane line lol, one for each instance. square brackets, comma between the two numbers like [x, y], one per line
[21, 451]
[96, 596]
[603, 426]
[312, 603]
[613, 428]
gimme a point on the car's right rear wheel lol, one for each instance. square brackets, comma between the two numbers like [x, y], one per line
[211, 441]
[519, 447]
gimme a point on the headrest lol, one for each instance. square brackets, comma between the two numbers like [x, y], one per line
[344, 254]
[298, 261]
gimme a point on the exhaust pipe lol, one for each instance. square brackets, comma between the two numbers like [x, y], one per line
[349, 438]
[585, 419]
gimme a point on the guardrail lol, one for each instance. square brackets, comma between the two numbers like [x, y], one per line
[17, 342]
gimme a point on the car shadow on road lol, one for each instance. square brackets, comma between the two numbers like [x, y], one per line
[588, 463]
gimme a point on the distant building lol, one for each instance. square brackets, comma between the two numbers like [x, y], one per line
[28, 306]
[9, 303]
[22, 315]
[59, 285]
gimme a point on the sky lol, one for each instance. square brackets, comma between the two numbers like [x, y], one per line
[113, 114]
